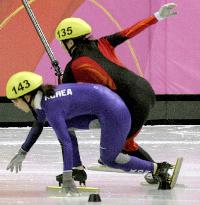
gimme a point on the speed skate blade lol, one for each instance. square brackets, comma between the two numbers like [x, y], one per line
[104, 168]
[176, 172]
[80, 189]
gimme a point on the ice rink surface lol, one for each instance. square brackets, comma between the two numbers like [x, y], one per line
[44, 162]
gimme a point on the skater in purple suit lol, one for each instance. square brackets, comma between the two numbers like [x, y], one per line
[63, 106]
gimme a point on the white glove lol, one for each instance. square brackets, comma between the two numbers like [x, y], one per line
[16, 161]
[165, 11]
[69, 186]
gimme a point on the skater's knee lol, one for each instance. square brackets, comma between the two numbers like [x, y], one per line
[120, 159]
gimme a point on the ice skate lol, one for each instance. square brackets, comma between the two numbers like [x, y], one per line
[59, 179]
[78, 175]
[167, 174]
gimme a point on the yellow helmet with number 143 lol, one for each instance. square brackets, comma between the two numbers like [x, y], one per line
[72, 28]
[22, 83]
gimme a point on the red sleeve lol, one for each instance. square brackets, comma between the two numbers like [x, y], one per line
[138, 27]
[131, 31]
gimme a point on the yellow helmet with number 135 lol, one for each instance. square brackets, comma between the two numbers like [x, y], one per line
[22, 83]
[72, 28]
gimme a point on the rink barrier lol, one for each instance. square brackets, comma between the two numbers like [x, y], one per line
[168, 109]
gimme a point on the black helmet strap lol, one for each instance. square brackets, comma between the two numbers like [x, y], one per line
[77, 41]
[29, 105]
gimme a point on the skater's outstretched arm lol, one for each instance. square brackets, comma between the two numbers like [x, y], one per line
[164, 12]
[34, 133]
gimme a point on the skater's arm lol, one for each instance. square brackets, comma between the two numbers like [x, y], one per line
[60, 127]
[68, 75]
[32, 136]
[16, 161]
[118, 38]
[164, 12]
[58, 123]
[35, 131]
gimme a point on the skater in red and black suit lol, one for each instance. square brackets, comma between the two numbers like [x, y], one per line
[94, 61]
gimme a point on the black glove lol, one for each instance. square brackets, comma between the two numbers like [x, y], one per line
[79, 175]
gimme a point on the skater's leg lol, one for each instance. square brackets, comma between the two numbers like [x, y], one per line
[142, 154]
[133, 149]
[78, 172]
[139, 153]
[111, 144]
[128, 163]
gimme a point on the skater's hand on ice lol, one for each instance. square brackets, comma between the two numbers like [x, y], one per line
[16, 161]
[166, 11]
[69, 186]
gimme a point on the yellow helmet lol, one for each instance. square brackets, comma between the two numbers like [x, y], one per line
[72, 28]
[22, 83]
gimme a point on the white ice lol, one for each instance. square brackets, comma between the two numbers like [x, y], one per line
[44, 162]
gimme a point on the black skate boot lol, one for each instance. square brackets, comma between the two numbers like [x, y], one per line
[77, 174]
[167, 174]
[100, 162]
[163, 176]
[59, 179]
